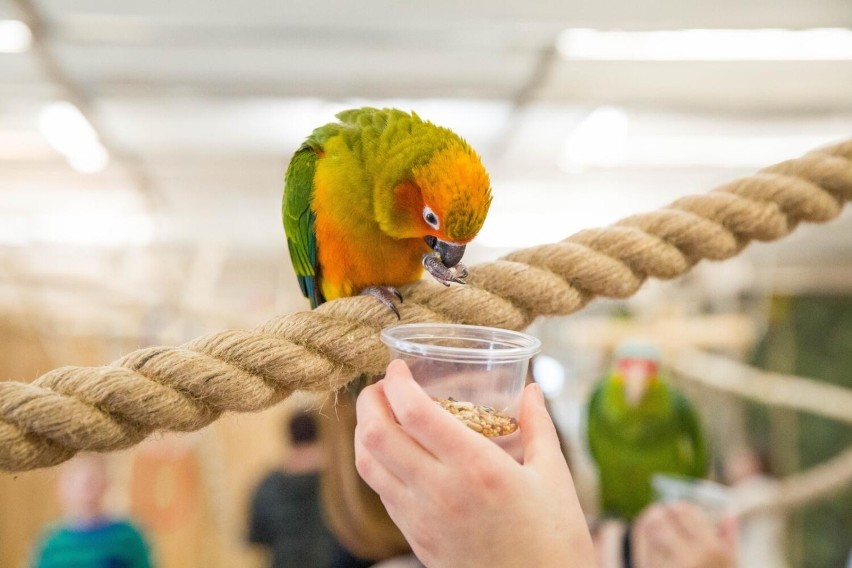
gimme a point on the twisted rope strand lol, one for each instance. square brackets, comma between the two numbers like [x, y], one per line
[185, 388]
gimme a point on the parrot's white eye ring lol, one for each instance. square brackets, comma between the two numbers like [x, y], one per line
[430, 218]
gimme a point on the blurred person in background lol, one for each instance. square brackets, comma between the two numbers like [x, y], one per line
[286, 512]
[87, 537]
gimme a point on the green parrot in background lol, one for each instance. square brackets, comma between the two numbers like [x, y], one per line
[638, 425]
[374, 199]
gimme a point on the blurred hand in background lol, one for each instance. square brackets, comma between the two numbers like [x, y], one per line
[680, 535]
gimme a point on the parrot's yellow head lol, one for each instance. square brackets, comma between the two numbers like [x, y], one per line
[456, 193]
[443, 200]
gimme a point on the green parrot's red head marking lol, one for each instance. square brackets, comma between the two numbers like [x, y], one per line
[637, 365]
[455, 192]
[638, 376]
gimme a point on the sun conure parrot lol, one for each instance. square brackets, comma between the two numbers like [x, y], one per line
[371, 200]
[638, 425]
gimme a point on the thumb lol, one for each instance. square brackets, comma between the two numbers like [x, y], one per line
[538, 433]
[728, 528]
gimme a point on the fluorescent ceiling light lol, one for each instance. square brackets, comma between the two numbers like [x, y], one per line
[70, 134]
[825, 44]
[15, 36]
[92, 160]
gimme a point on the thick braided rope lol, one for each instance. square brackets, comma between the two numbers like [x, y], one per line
[788, 391]
[185, 388]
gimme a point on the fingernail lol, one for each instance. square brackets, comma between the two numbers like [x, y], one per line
[539, 393]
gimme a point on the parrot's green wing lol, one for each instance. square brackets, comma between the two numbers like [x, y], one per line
[692, 438]
[299, 222]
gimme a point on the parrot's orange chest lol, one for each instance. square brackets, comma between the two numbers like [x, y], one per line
[352, 251]
[350, 262]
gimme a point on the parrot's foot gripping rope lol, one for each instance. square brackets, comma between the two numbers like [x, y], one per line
[185, 388]
[385, 295]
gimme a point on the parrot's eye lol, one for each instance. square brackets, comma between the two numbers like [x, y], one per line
[430, 217]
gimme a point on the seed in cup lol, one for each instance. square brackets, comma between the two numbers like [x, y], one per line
[480, 418]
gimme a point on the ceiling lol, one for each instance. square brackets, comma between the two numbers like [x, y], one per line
[200, 104]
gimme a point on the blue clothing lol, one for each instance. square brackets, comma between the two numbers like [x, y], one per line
[105, 544]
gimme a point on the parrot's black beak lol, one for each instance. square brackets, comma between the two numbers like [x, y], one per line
[450, 253]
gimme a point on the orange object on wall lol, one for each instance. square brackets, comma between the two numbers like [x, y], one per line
[164, 487]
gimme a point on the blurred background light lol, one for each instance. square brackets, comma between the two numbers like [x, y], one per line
[65, 216]
[717, 150]
[77, 228]
[88, 228]
[599, 140]
[827, 44]
[71, 134]
[529, 212]
[91, 159]
[15, 36]
[607, 145]
[549, 373]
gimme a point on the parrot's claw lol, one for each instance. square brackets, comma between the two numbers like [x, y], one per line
[461, 272]
[441, 273]
[386, 295]
[397, 293]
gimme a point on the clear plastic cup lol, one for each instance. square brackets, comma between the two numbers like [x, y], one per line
[712, 498]
[485, 366]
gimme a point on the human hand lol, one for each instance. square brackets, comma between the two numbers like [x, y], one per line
[680, 535]
[459, 499]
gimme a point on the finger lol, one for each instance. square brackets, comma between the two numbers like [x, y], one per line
[664, 538]
[378, 432]
[380, 480]
[538, 433]
[728, 530]
[415, 528]
[680, 544]
[432, 427]
[691, 521]
[640, 542]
